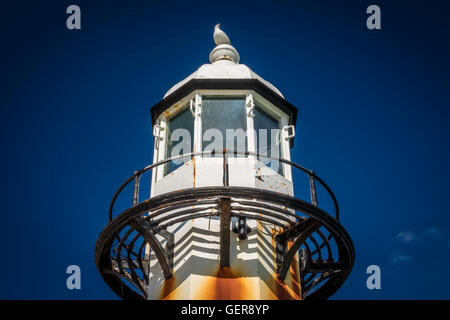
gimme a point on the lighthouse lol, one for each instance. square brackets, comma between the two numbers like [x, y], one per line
[216, 215]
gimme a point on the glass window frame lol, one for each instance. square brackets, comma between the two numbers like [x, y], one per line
[284, 121]
[222, 96]
[160, 152]
[176, 113]
[278, 120]
[196, 96]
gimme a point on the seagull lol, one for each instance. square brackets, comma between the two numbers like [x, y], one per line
[219, 36]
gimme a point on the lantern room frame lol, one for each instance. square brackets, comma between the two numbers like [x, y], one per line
[193, 103]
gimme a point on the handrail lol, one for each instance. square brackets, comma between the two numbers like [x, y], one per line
[137, 174]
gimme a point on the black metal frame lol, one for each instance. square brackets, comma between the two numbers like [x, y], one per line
[224, 84]
[119, 252]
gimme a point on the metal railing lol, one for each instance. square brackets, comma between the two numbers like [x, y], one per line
[136, 177]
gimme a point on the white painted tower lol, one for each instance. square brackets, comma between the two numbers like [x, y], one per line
[222, 221]
[203, 112]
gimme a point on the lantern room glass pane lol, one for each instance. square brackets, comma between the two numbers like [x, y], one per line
[267, 130]
[224, 124]
[180, 139]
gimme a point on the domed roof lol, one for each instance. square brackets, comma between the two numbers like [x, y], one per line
[223, 69]
[224, 64]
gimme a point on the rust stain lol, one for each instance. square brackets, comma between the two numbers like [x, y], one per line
[284, 292]
[296, 287]
[227, 285]
[259, 226]
[289, 289]
[272, 240]
[273, 231]
[170, 111]
[167, 288]
[193, 170]
[225, 272]
[294, 275]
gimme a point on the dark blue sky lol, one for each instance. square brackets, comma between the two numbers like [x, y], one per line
[373, 122]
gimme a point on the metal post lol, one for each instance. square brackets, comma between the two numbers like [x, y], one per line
[136, 189]
[312, 186]
[225, 168]
[225, 220]
[280, 251]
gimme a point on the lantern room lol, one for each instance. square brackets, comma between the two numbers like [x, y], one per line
[223, 105]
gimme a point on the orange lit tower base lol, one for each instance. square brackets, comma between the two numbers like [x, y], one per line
[198, 274]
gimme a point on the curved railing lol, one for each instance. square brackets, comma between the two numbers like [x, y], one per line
[137, 176]
[325, 250]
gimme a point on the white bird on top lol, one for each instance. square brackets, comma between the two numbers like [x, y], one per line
[219, 36]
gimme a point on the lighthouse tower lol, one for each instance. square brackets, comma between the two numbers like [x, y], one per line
[222, 220]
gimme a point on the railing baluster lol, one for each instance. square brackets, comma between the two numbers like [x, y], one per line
[312, 186]
[136, 189]
[225, 168]
[225, 221]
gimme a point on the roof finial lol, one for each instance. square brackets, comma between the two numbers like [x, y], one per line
[219, 36]
[223, 50]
